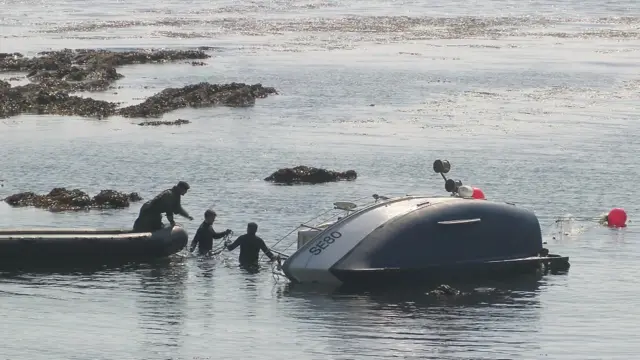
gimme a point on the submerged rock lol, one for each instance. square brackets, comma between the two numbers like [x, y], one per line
[158, 123]
[309, 175]
[198, 95]
[61, 199]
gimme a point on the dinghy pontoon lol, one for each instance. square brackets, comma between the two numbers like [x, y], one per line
[30, 247]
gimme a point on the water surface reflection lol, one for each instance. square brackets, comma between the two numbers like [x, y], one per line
[417, 322]
[162, 307]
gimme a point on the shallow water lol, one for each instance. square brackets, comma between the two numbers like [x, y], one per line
[534, 102]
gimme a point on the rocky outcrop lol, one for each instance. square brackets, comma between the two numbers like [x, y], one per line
[309, 175]
[62, 61]
[52, 97]
[199, 95]
[54, 75]
[114, 199]
[43, 99]
[86, 69]
[159, 123]
[61, 199]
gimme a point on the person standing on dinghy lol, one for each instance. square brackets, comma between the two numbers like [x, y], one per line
[250, 245]
[167, 202]
[205, 234]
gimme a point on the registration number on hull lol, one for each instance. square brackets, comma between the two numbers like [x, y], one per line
[324, 243]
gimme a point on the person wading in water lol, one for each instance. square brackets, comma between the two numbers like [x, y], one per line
[205, 234]
[250, 245]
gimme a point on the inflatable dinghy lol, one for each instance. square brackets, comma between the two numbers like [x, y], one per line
[53, 247]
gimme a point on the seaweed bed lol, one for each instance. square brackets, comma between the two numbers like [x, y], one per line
[309, 175]
[61, 199]
[55, 75]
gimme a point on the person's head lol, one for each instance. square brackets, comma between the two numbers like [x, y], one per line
[182, 187]
[210, 216]
[252, 228]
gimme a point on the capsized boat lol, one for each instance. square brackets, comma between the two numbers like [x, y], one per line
[64, 247]
[422, 239]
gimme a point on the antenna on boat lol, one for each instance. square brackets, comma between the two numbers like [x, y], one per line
[442, 167]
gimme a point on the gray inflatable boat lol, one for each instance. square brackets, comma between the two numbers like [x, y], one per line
[64, 247]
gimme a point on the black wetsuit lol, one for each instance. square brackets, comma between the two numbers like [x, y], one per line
[150, 217]
[204, 238]
[250, 246]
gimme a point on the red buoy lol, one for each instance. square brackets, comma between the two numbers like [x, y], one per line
[617, 218]
[477, 194]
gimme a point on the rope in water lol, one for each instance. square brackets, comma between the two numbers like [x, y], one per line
[556, 229]
[577, 218]
[221, 245]
[276, 271]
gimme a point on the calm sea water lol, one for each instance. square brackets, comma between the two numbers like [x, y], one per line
[535, 102]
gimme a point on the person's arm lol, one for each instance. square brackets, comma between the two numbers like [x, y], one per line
[265, 249]
[220, 234]
[172, 222]
[236, 243]
[179, 210]
[195, 240]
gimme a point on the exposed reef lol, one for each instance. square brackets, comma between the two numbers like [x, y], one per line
[41, 99]
[159, 123]
[61, 199]
[199, 95]
[63, 61]
[55, 75]
[86, 69]
[309, 175]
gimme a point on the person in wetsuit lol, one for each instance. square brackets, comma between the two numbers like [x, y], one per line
[167, 202]
[205, 234]
[250, 245]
